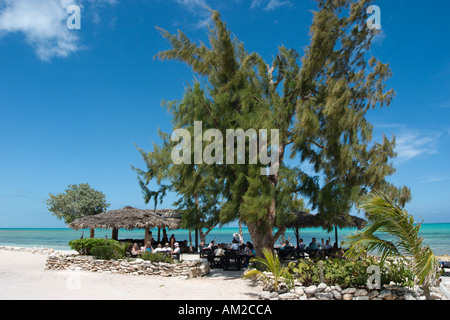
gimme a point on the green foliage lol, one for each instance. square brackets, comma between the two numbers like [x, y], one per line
[349, 273]
[157, 257]
[270, 263]
[392, 232]
[76, 202]
[106, 252]
[85, 246]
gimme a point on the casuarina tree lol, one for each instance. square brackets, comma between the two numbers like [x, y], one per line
[316, 101]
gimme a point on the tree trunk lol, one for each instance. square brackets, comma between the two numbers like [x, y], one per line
[196, 239]
[204, 234]
[190, 241]
[115, 234]
[147, 235]
[336, 236]
[240, 231]
[92, 233]
[260, 239]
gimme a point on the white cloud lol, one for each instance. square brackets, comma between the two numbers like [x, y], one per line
[43, 24]
[412, 144]
[271, 4]
[199, 9]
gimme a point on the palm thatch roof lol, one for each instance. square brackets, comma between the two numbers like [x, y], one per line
[344, 221]
[300, 219]
[128, 218]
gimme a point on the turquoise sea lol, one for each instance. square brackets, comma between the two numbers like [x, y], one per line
[436, 235]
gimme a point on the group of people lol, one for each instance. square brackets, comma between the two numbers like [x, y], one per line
[313, 247]
[247, 250]
[175, 252]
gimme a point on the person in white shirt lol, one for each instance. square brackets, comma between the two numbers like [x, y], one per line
[176, 251]
[159, 249]
[167, 248]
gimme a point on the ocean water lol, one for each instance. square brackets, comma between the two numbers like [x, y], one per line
[436, 235]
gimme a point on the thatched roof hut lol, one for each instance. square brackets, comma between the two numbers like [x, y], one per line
[128, 218]
[301, 219]
[343, 221]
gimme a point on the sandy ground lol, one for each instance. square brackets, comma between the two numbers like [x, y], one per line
[23, 276]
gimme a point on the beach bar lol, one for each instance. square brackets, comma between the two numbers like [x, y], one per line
[130, 218]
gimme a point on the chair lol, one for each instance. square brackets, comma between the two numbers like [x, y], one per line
[286, 254]
[215, 261]
[231, 259]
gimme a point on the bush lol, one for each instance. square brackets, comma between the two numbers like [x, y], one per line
[347, 273]
[85, 246]
[157, 257]
[105, 252]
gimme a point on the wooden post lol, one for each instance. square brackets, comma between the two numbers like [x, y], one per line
[147, 235]
[115, 234]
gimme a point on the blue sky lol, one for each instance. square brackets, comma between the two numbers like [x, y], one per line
[74, 102]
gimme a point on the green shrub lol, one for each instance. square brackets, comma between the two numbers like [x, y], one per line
[157, 257]
[349, 273]
[105, 252]
[85, 246]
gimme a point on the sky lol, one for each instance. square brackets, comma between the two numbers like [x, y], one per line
[74, 103]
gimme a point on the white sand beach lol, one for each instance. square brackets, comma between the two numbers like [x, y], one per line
[23, 276]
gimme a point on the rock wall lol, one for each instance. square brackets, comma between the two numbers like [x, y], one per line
[182, 270]
[325, 292]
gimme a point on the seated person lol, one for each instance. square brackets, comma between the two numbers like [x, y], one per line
[135, 250]
[148, 247]
[249, 249]
[313, 245]
[235, 245]
[219, 251]
[158, 249]
[327, 245]
[212, 244]
[286, 245]
[301, 245]
[176, 251]
[167, 248]
[249, 252]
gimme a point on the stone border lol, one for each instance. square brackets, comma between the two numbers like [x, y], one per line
[325, 292]
[183, 270]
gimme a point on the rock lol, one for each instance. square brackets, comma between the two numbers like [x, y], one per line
[273, 295]
[264, 295]
[324, 296]
[321, 287]
[299, 291]
[409, 296]
[311, 290]
[360, 293]
[373, 294]
[435, 296]
[349, 290]
[384, 293]
[337, 288]
[347, 296]
[361, 298]
[336, 294]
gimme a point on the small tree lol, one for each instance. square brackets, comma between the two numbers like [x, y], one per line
[76, 202]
